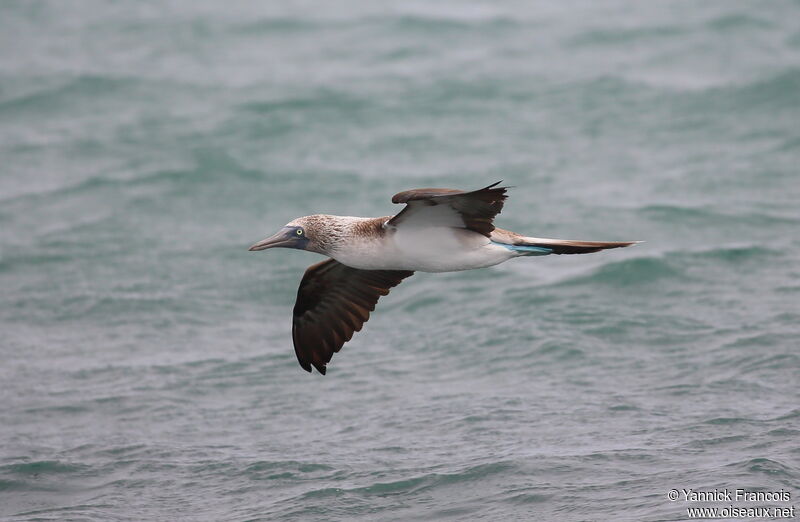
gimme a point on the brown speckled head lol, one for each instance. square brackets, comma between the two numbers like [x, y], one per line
[321, 233]
[316, 229]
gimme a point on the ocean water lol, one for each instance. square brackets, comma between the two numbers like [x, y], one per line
[147, 366]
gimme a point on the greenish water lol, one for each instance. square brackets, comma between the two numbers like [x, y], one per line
[148, 372]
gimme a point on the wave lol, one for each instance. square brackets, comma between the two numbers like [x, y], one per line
[436, 24]
[624, 35]
[774, 93]
[48, 94]
[789, 145]
[764, 466]
[671, 266]
[268, 26]
[738, 21]
[211, 166]
[765, 95]
[402, 23]
[322, 99]
[9, 263]
[631, 272]
[287, 470]
[38, 475]
[702, 216]
[113, 309]
[792, 415]
[42, 467]
[50, 98]
[417, 484]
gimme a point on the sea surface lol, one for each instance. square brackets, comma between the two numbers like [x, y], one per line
[147, 369]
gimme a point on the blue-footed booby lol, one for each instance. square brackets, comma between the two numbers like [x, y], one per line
[439, 230]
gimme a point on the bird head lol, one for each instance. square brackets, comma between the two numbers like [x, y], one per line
[300, 233]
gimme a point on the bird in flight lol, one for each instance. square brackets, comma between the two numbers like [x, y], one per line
[439, 230]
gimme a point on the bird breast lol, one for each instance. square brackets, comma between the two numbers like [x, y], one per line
[424, 249]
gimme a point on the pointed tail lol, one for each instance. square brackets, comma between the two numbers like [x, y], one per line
[568, 246]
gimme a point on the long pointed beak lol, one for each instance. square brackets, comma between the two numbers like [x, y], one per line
[278, 240]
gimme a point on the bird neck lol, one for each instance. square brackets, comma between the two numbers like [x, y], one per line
[332, 233]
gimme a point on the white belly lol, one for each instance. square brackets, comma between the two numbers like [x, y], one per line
[424, 249]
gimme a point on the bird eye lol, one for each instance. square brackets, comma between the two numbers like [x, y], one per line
[299, 231]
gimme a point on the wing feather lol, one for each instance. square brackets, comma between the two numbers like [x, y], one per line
[333, 302]
[473, 210]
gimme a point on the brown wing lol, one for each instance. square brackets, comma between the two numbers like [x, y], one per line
[333, 302]
[473, 210]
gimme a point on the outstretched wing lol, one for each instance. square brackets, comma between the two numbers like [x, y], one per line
[447, 207]
[333, 302]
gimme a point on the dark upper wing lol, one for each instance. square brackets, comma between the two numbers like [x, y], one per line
[472, 210]
[333, 302]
